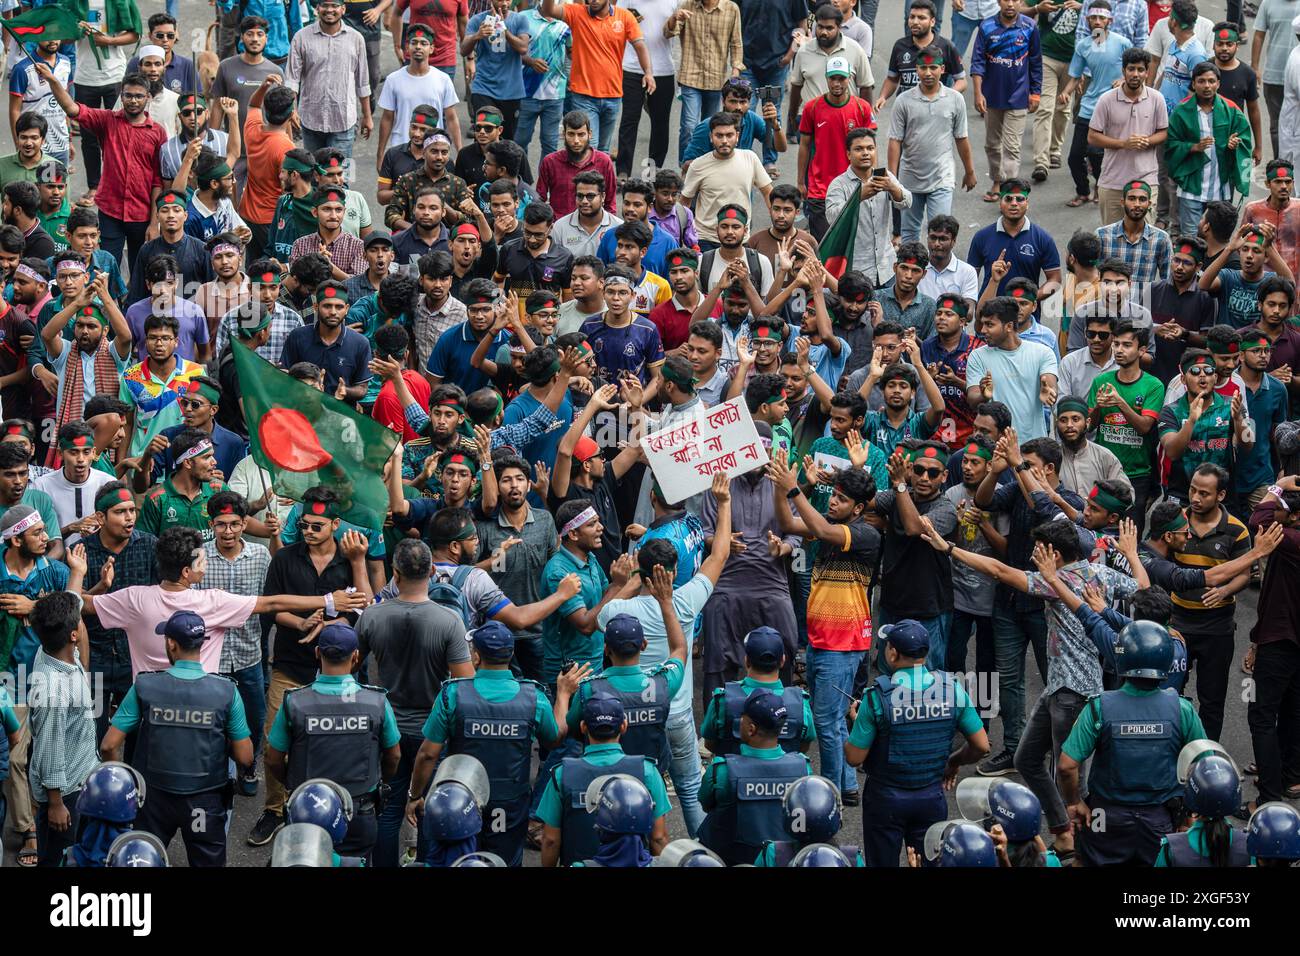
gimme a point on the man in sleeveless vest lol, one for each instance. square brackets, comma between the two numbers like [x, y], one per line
[569, 831]
[904, 733]
[1134, 736]
[495, 718]
[764, 658]
[742, 792]
[340, 730]
[189, 722]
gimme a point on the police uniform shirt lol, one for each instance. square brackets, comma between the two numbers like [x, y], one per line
[1083, 737]
[551, 808]
[1196, 840]
[865, 727]
[632, 678]
[714, 724]
[716, 789]
[128, 716]
[338, 685]
[494, 687]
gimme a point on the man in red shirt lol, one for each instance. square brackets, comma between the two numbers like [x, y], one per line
[673, 318]
[392, 342]
[446, 18]
[557, 170]
[823, 131]
[131, 180]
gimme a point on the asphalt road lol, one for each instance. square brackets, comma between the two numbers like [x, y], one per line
[1047, 207]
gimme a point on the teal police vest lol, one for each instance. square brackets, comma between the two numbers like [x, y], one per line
[737, 832]
[182, 743]
[499, 734]
[578, 839]
[647, 717]
[336, 737]
[1180, 852]
[914, 739]
[1136, 760]
[734, 697]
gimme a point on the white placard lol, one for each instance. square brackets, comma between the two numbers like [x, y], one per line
[685, 457]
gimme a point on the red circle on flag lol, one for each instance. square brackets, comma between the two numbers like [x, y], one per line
[290, 441]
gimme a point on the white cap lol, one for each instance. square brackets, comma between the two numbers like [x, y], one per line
[150, 49]
[838, 66]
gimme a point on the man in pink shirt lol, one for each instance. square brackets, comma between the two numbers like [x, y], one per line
[141, 611]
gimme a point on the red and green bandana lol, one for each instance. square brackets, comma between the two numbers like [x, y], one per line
[321, 509]
[21, 429]
[1228, 35]
[1022, 293]
[1280, 172]
[95, 313]
[425, 116]
[1139, 185]
[268, 278]
[193, 99]
[466, 229]
[1255, 239]
[678, 259]
[482, 298]
[733, 213]
[930, 59]
[291, 165]
[676, 376]
[953, 303]
[459, 458]
[1223, 348]
[203, 390]
[1254, 340]
[80, 441]
[332, 293]
[928, 453]
[540, 304]
[765, 333]
[330, 195]
[452, 403]
[979, 451]
[1104, 499]
[170, 198]
[113, 498]
[1191, 361]
[332, 165]
[1188, 250]
[1022, 191]
[488, 117]
[584, 349]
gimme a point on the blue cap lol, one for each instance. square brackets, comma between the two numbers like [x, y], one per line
[185, 628]
[336, 641]
[764, 647]
[908, 637]
[766, 710]
[494, 641]
[624, 634]
[604, 714]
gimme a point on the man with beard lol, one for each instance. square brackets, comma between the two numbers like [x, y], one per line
[825, 123]
[328, 68]
[194, 118]
[1190, 151]
[426, 234]
[1140, 246]
[754, 126]
[581, 230]
[673, 317]
[558, 172]
[1180, 308]
[732, 224]
[164, 103]
[211, 207]
[1084, 463]
[851, 317]
[723, 177]
[1278, 210]
[31, 290]
[293, 216]
[98, 363]
[408, 155]
[345, 252]
[638, 197]
[238, 77]
[781, 236]
[1238, 289]
[181, 499]
[1124, 405]
[229, 289]
[1129, 124]
[30, 94]
[342, 353]
[456, 193]
[131, 140]
[1238, 82]
[808, 70]
[191, 255]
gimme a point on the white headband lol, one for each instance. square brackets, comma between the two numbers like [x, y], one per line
[18, 527]
[202, 448]
[578, 520]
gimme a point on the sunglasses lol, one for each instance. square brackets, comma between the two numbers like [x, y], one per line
[192, 403]
[926, 472]
[485, 128]
[1201, 370]
[191, 111]
[312, 527]
[164, 36]
[1097, 334]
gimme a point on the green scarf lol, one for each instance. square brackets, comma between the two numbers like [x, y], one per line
[1185, 166]
[119, 14]
[304, 211]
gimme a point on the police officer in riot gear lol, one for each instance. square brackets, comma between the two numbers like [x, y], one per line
[1013, 816]
[1134, 735]
[327, 805]
[137, 848]
[1212, 793]
[904, 731]
[955, 843]
[1273, 835]
[495, 718]
[112, 796]
[814, 813]
[624, 816]
[341, 730]
[688, 853]
[189, 721]
[764, 658]
[480, 859]
[453, 811]
[820, 855]
[742, 792]
[570, 833]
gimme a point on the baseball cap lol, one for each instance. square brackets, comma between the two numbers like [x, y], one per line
[379, 237]
[764, 647]
[585, 448]
[766, 710]
[185, 628]
[494, 641]
[601, 712]
[624, 634]
[838, 66]
[336, 641]
[907, 637]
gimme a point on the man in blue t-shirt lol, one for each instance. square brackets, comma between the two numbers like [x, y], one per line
[622, 340]
[1013, 238]
[498, 39]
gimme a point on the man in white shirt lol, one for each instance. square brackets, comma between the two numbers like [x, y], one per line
[946, 274]
[873, 250]
[72, 487]
[416, 84]
[580, 231]
[1288, 132]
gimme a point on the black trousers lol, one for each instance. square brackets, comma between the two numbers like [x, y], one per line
[815, 210]
[1211, 655]
[99, 97]
[1141, 502]
[1083, 158]
[363, 832]
[1274, 717]
[509, 111]
[660, 107]
[201, 818]
[1273, 103]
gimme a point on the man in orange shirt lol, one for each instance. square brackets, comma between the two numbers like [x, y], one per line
[266, 139]
[600, 32]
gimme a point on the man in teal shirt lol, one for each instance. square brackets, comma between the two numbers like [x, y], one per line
[304, 741]
[183, 759]
[569, 835]
[764, 658]
[494, 718]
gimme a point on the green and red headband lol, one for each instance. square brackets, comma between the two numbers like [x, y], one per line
[1100, 497]
[1232, 36]
[113, 498]
[332, 293]
[1020, 292]
[1014, 191]
[1280, 172]
[1223, 348]
[979, 451]
[203, 390]
[332, 165]
[953, 303]
[79, 441]
[539, 304]
[95, 312]
[1177, 523]
[678, 259]
[330, 195]
[1189, 250]
[1254, 340]
[1139, 185]
[21, 429]
[459, 458]
[321, 509]
[170, 198]
[733, 213]
[927, 453]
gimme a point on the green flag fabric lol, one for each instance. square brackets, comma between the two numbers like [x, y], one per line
[306, 438]
[836, 249]
[51, 22]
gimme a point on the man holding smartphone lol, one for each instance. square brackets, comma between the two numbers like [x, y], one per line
[824, 128]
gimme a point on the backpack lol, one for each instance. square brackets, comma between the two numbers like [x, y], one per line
[752, 262]
[450, 595]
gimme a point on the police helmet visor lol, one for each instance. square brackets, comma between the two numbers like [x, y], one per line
[136, 848]
[481, 858]
[1194, 751]
[303, 844]
[469, 773]
[932, 845]
[973, 801]
[679, 851]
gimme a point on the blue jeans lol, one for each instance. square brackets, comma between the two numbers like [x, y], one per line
[604, 116]
[963, 28]
[313, 140]
[1189, 215]
[696, 105]
[937, 627]
[390, 820]
[826, 671]
[550, 112]
[251, 684]
[1013, 633]
[773, 77]
[685, 769]
[925, 206]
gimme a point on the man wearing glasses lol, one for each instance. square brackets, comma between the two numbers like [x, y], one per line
[179, 74]
[1201, 426]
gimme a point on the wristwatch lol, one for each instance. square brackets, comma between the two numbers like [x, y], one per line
[901, 488]
[793, 493]
[1024, 466]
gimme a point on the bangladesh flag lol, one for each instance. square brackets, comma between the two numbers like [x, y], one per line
[836, 249]
[51, 22]
[306, 438]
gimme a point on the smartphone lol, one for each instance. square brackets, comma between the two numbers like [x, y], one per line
[878, 173]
